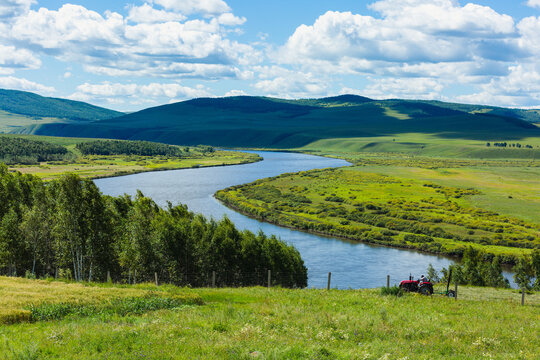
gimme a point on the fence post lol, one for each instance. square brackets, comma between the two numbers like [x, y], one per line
[522, 296]
[155, 276]
[455, 290]
[269, 278]
[213, 279]
[329, 278]
[108, 277]
[387, 281]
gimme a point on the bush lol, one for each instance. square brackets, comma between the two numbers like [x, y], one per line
[394, 290]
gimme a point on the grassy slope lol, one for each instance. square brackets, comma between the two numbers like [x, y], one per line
[282, 324]
[95, 166]
[33, 105]
[410, 204]
[263, 122]
[10, 122]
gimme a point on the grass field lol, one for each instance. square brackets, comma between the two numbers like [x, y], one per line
[430, 145]
[10, 122]
[276, 324]
[431, 209]
[98, 166]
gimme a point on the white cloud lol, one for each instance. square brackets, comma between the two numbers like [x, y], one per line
[119, 92]
[195, 6]
[438, 32]
[521, 88]
[280, 82]
[229, 19]
[534, 3]
[236, 93]
[10, 82]
[147, 14]
[12, 8]
[12, 59]
[117, 46]
[405, 88]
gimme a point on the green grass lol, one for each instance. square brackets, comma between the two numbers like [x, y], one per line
[98, 166]
[427, 145]
[393, 210]
[10, 122]
[294, 324]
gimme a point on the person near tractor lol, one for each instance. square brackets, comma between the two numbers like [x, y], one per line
[423, 279]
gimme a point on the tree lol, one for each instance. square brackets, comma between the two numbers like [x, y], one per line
[432, 274]
[535, 262]
[523, 273]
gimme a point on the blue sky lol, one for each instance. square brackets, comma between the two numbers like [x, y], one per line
[135, 54]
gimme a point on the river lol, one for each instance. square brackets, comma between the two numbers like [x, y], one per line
[353, 265]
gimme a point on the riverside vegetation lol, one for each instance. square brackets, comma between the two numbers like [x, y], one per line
[68, 228]
[103, 321]
[49, 157]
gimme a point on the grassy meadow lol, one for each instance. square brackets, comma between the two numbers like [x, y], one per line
[410, 190]
[98, 166]
[271, 324]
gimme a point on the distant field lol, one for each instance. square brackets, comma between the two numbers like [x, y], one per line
[417, 144]
[10, 122]
[402, 207]
[97, 166]
[272, 324]
[115, 165]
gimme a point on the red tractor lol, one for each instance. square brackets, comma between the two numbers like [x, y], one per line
[425, 287]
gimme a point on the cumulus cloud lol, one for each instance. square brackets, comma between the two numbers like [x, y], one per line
[117, 93]
[419, 49]
[281, 82]
[534, 3]
[405, 88]
[148, 42]
[147, 14]
[12, 8]
[410, 31]
[195, 6]
[521, 88]
[10, 82]
[12, 59]
[236, 93]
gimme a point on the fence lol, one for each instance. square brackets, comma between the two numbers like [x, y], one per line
[220, 279]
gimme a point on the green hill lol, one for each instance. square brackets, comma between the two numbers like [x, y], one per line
[33, 105]
[276, 123]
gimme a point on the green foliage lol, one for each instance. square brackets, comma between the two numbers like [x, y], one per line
[69, 225]
[15, 150]
[478, 269]
[119, 307]
[26, 103]
[143, 148]
[432, 274]
[388, 210]
[393, 290]
[524, 273]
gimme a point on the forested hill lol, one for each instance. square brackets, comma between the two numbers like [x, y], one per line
[30, 104]
[245, 121]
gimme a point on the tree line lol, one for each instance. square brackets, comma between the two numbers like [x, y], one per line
[141, 148]
[67, 226]
[478, 268]
[14, 150]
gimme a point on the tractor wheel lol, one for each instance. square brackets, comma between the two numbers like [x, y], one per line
[424, 290]
[451, 294]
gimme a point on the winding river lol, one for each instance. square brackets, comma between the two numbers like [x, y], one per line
[353, 265]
